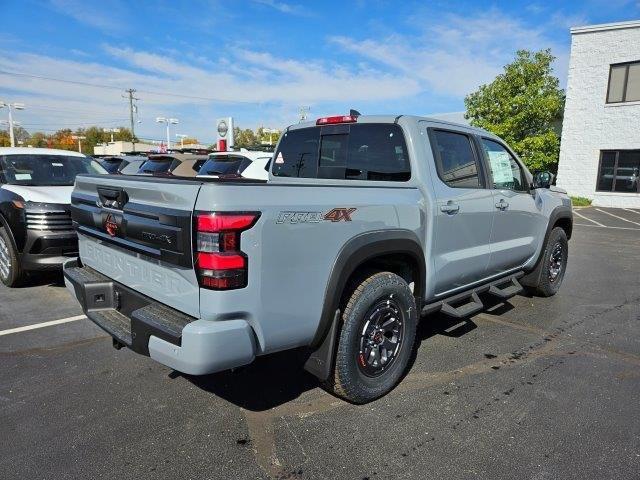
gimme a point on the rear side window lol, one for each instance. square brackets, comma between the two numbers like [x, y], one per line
[111, 166]
[456, 161]
[346, 152]
[297, 154]
[224, 165]
[156, 166]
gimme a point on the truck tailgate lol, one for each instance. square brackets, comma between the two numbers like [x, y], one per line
[137, 231]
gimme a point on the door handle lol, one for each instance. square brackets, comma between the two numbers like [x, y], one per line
[502, 205]
[450, 207]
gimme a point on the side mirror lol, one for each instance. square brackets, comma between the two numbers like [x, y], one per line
[542, 180]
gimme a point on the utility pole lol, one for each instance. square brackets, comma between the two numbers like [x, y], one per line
[10, 106]
[132, 107]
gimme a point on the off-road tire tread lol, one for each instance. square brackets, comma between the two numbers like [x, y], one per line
[338, 383]
[544, 287]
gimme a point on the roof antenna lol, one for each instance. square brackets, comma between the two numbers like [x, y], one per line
[354, 113]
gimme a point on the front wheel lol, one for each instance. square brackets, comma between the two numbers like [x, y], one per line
[376, 339]
[553, 265]
[11, 273]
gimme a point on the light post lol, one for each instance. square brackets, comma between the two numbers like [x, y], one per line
[167, 121]
[181, 137]
[79, 138]
[111, 131]
[270, 131]
[10, 106]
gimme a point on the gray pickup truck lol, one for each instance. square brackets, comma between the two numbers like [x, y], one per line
[366, 224]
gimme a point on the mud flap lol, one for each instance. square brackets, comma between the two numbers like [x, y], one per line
[320, 361]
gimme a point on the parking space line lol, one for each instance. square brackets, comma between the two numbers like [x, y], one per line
[587, 218]
[604, 226]
[616, 216]
[42, 325]
[632, 211]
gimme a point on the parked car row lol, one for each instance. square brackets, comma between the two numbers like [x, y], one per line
[242, 163]
[36, 231]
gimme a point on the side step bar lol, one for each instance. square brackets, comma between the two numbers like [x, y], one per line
[506, 290]
[465, 304]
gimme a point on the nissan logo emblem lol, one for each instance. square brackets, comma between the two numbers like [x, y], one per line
[222, 128]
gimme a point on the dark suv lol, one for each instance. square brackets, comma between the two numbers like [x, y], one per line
[35, 220]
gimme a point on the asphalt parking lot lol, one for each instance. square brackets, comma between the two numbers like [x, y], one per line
[533, 388]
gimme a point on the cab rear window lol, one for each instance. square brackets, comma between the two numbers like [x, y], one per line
[366, 151]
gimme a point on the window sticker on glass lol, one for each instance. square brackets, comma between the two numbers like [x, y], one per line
[22, 176]
[500, 167]
[280, 158]
[57, 164]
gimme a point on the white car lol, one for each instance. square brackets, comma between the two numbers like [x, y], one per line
[244, 163]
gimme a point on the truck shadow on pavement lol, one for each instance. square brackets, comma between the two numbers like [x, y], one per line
[276, 379]
[43, 279]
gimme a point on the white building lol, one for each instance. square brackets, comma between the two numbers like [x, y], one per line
[120, 147]
[600, 150]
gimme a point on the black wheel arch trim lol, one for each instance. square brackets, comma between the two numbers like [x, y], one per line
[358, 250]
[12, 218]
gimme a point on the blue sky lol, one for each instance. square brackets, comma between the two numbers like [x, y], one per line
[259, 60]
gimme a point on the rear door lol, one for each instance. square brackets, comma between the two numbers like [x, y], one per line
[138, 232]
[464, 214]
[518, 218]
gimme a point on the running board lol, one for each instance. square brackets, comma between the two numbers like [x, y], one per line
[467, 303]
[471, 307]
[506, 290]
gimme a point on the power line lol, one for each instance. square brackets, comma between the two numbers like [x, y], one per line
[111, 87]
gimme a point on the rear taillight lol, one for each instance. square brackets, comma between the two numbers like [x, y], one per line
[219, 262]
[338, 119]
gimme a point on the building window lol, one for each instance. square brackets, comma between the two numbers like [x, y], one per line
[624, 83]
[619, 171]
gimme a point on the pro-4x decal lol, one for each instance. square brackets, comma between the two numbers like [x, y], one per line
[338, 214]
[335, 215]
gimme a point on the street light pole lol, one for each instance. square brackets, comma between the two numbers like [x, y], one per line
[11, 106]
[168, 122]
[181, 137]
[79, 138]
[270, 131]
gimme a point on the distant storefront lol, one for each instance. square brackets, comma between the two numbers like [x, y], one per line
[600, 150]
[120, 147]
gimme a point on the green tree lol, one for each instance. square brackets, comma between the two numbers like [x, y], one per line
[244, 138]
[19, 133]
[523, 106]
[38, 139]
[5, 140]
[267, 138]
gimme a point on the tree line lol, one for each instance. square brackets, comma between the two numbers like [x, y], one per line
[63, 139]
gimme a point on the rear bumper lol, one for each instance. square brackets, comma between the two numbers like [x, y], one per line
[184, 343]
[45, 250]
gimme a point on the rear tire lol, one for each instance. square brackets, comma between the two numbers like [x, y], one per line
[553, 264]
[11, 273]
[376, 340]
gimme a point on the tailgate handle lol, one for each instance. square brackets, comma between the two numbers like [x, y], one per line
[112, 197]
